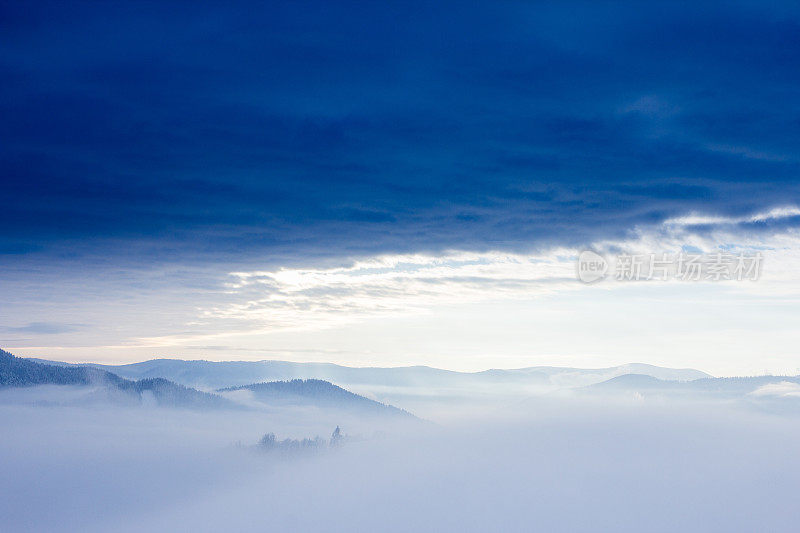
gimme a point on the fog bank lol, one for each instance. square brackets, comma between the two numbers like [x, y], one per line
[558, 467]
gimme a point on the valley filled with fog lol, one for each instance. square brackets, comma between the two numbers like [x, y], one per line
[605, 450]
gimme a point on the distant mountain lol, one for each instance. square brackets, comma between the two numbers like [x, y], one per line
[638, 382]
[214, 375]
[671, 374]
[429, 392]
[315, 392]
[20, 372]
[721, 388]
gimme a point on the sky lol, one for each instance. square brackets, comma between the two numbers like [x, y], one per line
[397, 183]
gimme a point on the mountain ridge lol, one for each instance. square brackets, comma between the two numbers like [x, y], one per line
[183, 370]
[725, 385]
[18, 372]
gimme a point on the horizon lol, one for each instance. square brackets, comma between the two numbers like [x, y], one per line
[619, 365]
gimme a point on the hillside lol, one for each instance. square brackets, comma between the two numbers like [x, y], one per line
[20, 372]
[315, 392]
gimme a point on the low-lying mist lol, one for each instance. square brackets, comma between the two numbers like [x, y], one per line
[555, 465]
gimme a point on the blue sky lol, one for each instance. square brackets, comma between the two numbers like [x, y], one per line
[153, 147]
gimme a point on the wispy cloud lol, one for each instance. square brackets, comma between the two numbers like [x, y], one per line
[389, 284]
[776, 213]
[782, 389]
[413, 284]
[42, 328]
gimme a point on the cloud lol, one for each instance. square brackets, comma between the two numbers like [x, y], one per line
[776, 213]
[364, 162]
[782, 389]
[43, 328]
[389, 284]
[377, 131]
[416, 283]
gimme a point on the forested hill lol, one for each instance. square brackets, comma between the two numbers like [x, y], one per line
[317, 392]
[20, 372]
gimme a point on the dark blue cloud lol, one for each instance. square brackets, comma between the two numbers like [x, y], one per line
[314, 128]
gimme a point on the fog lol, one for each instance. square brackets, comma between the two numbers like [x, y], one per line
[547, 465]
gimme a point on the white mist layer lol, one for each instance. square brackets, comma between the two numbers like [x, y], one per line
[551, 466]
